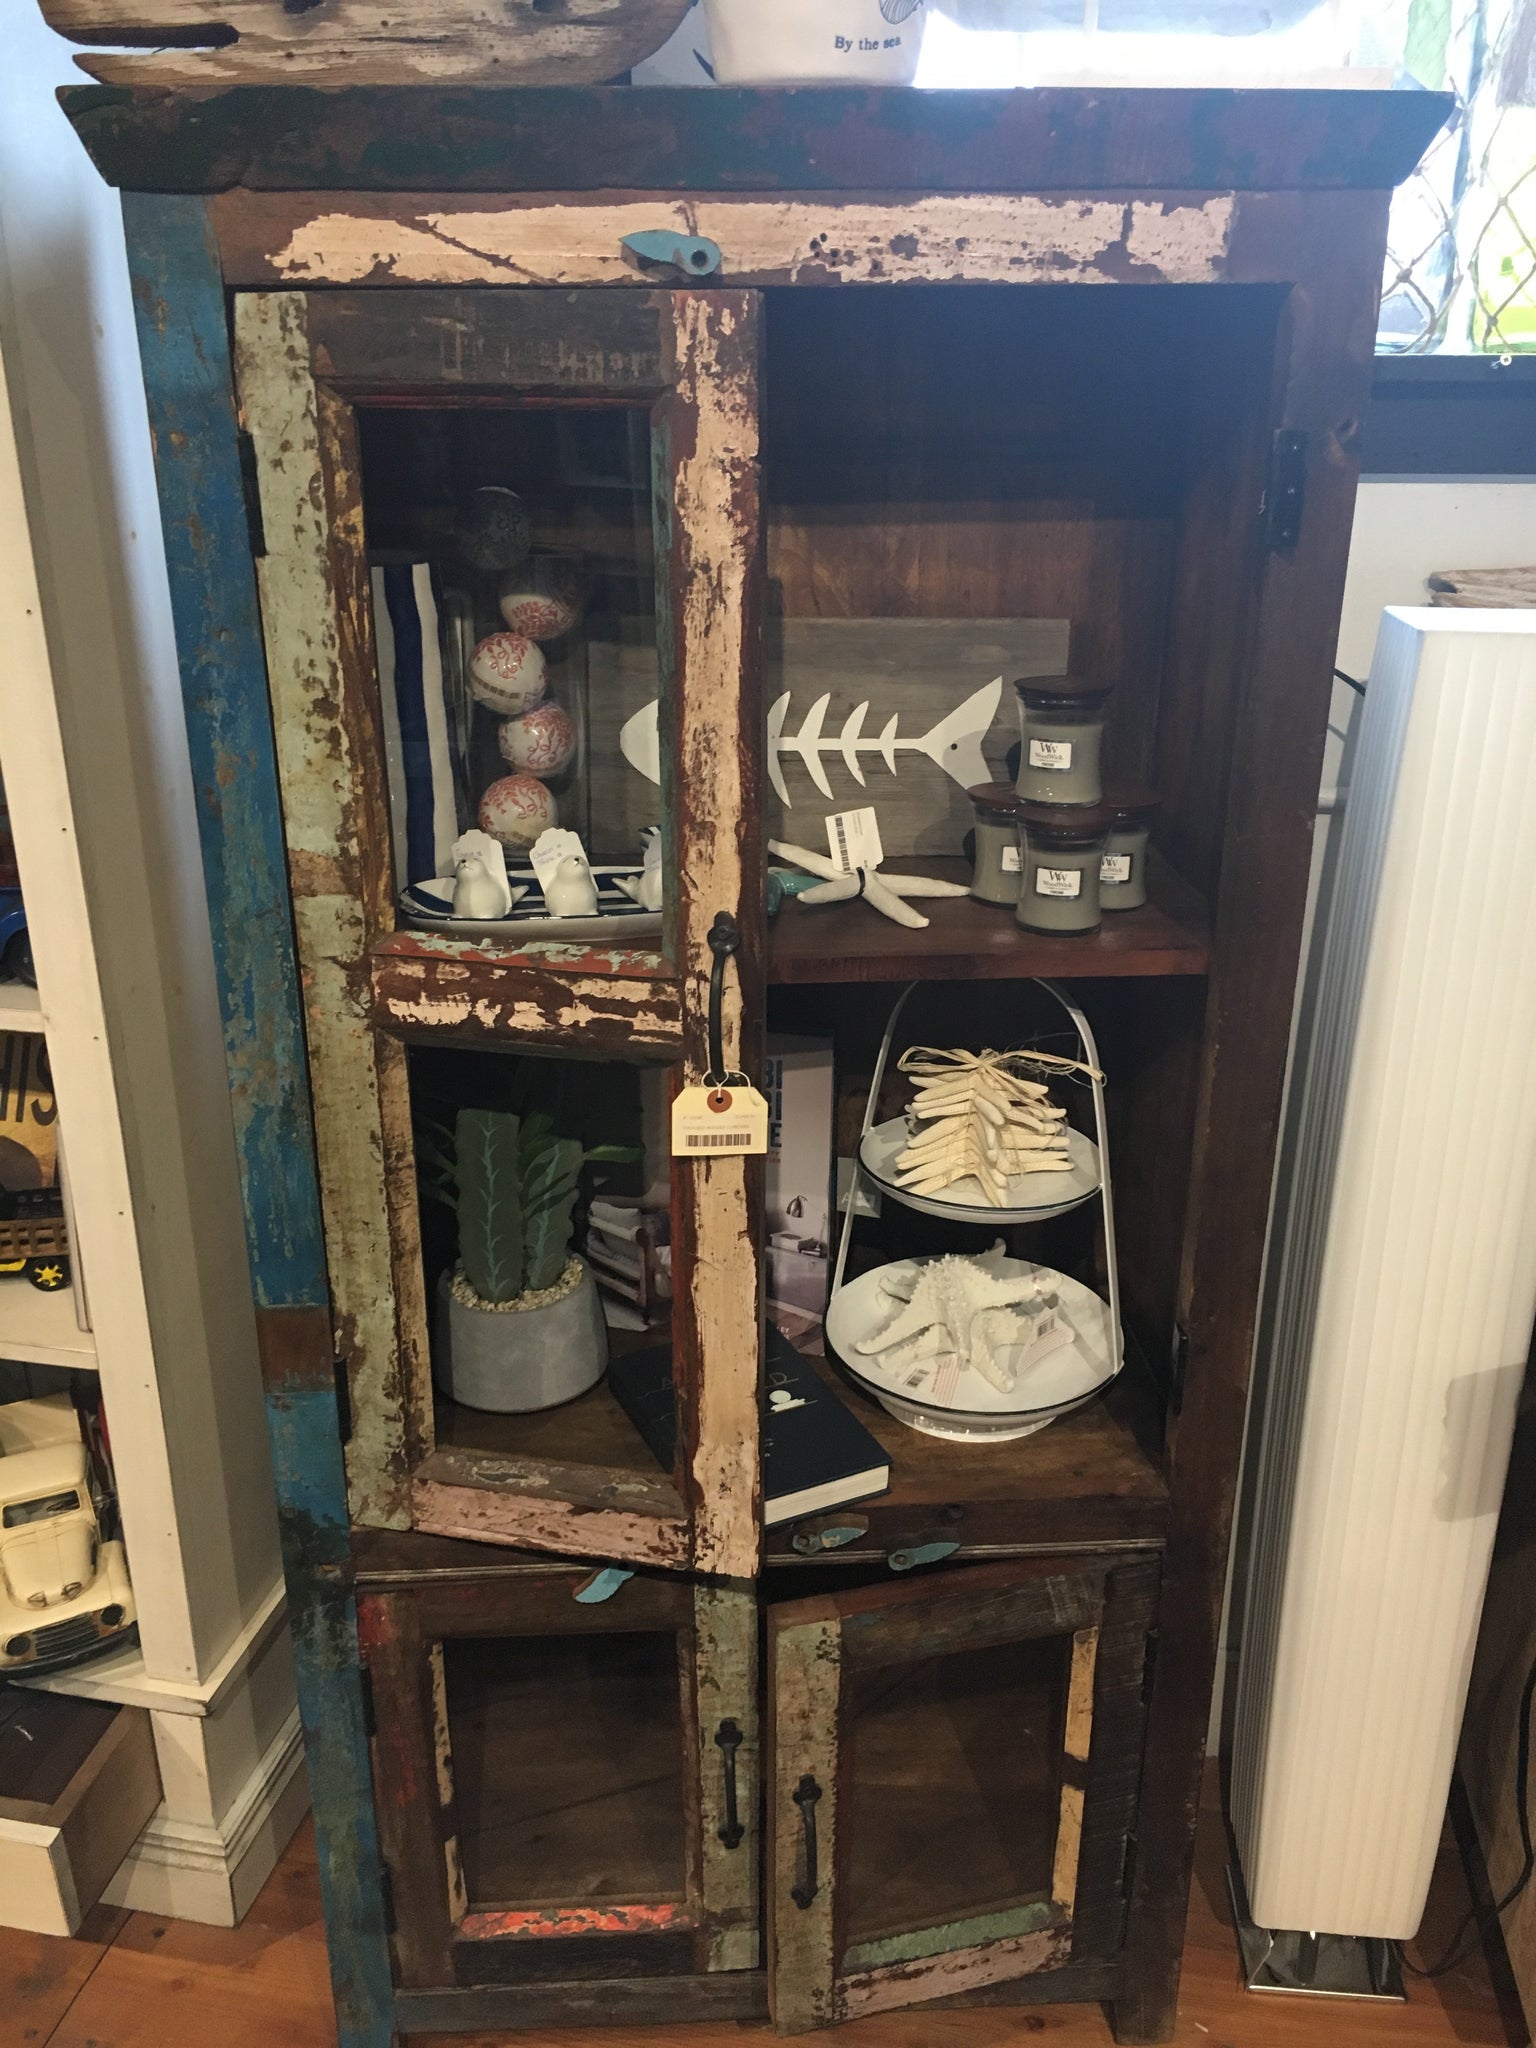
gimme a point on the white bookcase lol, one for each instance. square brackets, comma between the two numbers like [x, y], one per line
[93, 754]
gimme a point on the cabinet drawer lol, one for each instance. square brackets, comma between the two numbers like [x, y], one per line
[78, 1781]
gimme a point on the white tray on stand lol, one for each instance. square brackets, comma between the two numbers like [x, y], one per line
[1061, 1379]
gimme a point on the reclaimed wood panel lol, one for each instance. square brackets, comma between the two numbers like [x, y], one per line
[836, 139]
[918, 670]
[709, 597]
[804, 1690]
[188, 381]
[535, 1513]
[979, 237]
[452, 993]
[317, 620]
[725, 1689]
[534, 344]
[367, 42]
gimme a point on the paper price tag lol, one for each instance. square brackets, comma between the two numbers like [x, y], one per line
[712, 1123]
[854, 837]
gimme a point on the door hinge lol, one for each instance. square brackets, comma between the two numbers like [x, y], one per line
[251, 489]
[343, 1400]
[1178, 1365]
[1285, 493]
[387, 1899]
[365, 1687]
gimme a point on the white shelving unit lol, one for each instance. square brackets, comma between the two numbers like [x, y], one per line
[92, 748]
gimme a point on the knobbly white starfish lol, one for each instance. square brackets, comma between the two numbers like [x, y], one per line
[960, 1305]
[882, 892]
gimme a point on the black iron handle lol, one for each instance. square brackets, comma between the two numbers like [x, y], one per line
[728, 1741]
[724, 940]
[805, 1796]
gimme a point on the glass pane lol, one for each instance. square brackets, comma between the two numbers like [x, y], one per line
[568, 1767]
[951, 1786]
[513, 579]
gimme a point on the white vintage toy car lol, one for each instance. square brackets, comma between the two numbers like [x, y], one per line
[64, 1592]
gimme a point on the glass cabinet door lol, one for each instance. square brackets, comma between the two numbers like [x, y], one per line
[952, 1771]
[566, 1787]
[509, 559]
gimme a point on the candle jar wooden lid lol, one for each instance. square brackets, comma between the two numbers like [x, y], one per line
[1129, 804]
[1063, 693]
[1066, 824]
[996, 799]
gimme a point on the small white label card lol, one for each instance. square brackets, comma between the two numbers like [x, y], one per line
[854, 837]
[1058, 881]
[553, 846]
[709, 1122]
[1115, 867]
[1010, 860]
[1050, 753]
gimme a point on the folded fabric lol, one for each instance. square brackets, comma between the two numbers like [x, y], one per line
[421, 745]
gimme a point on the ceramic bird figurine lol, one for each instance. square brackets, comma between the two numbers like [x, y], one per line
[565, 875]
[884, 893]
[480, 885]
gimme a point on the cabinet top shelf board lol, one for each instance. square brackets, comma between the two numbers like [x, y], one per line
[970, 941]
[678, 139]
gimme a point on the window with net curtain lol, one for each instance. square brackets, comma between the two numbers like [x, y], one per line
[1461, 259]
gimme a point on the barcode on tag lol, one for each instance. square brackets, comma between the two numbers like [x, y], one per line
[718, 1141]
[854, 839]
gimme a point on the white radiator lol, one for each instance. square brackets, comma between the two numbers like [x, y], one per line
[1403, 1301]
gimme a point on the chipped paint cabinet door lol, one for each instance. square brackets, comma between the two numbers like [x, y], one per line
[952, 1778]
[428, 672]
[565, 1773]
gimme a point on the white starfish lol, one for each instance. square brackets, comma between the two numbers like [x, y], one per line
[881, 892]
[973, 1310]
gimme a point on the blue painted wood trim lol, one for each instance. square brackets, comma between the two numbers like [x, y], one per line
[178, 291]
[184, 346]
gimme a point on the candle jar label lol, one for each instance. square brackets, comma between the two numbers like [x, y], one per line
[1050, 754]
[1010, 860]
[1058, 882]
[1115, 867]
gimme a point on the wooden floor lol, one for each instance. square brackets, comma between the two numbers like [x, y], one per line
[131, 1980]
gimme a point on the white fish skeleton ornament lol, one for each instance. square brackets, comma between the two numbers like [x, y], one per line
[954, 744]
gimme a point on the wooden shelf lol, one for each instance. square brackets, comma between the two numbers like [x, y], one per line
[21, 1007]
[609, 999]
[970, 941]
[40, 1329]
[1087, 1480]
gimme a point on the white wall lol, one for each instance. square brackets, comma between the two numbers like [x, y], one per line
[66, 321]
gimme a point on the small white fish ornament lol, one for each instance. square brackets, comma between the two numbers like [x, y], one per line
[954, 744]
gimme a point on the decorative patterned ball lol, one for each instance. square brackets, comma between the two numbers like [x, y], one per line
[542, 741]
[494, 532]
[516, 810]
[542, 600]
[506, 671]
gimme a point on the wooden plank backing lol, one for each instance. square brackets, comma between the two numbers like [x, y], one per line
[367, 42]
[317, 620]
[676, 139]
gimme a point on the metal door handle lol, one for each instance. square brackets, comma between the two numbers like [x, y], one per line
[728, 1741]
[805, 1796]
[724, 940]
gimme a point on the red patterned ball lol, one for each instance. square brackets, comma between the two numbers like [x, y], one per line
[516, 810]
[543, 740]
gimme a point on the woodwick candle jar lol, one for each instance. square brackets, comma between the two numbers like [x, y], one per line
[995, 878]
[1123, 870]
[1060, 850]
[1061, 727]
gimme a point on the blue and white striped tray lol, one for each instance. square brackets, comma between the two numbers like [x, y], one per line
[428, 906]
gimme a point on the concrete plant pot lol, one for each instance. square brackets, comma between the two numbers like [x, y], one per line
[515, 1360]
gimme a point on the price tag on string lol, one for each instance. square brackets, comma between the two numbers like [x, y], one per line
[712, 1123]
[854, 837]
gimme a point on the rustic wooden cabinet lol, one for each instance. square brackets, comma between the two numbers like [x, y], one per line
[963, 374]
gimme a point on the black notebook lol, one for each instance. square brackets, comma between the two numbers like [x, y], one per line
[816, 1452]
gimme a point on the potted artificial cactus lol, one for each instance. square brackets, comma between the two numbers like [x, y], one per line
[520, 1325]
